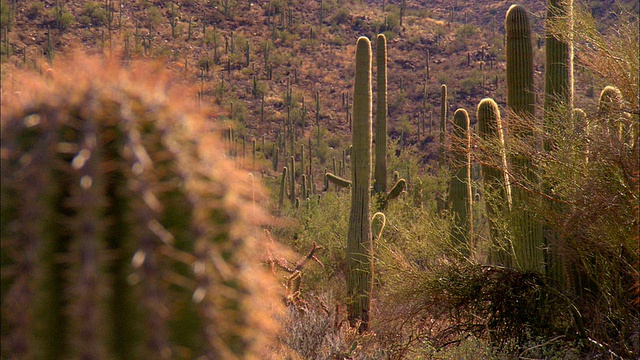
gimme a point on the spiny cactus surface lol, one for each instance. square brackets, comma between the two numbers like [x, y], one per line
[128, 237]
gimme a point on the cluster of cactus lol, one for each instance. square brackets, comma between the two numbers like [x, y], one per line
[121, 236]
[379, 189]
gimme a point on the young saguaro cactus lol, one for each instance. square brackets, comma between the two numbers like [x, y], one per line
[123, 236]
[528, 242]
[380, 175]
[460, 185]
[359, 243]
[495, 178]
[610, 111]
[444, 105]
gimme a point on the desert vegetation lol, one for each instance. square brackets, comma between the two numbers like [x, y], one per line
[332, 179]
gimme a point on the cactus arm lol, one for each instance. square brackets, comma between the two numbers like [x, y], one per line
[337, 180]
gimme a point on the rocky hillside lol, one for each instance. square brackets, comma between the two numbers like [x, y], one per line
[240, 55]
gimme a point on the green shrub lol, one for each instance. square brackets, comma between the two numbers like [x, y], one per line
[6, 14]
[34, 9]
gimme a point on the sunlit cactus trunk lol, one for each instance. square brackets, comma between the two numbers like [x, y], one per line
[495, 179]
[610, 112]
[444, 106]
[380, 183]
[558, 84]
[359, 244]
[528, 240]
[460, 185]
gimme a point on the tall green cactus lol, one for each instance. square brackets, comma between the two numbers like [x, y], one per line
[380, 175]
[126, 238]
[529, 242]
[519, 62]
[444, 105]
[292, 179]
[495, 178]
[359, 243]
[558, 84]
[283, 186]
[460, 185]
[441, 197]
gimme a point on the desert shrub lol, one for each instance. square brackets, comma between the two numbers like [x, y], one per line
[34, 10]
[154, 17]
[92, 13]
[60, 17]
[342, 17]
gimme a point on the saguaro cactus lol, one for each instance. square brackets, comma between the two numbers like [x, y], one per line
[460, 185]
[121, 236]
[359, 244]
[443, 124]
[519, 62]
[610, 111]
[529, 243]
[283, 186]
[495, 178]
[380, 183]
[558, 84]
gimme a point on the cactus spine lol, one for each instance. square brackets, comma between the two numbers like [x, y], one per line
[380, 182]
[460, 185]
[495, 179]
[359, 244]
[529, 242]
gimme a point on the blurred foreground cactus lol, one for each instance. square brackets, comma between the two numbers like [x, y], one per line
[121, 237]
